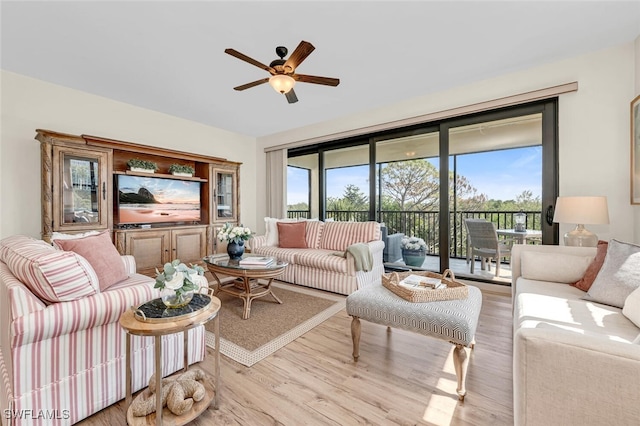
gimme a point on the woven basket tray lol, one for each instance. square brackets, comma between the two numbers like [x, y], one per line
[454, 290]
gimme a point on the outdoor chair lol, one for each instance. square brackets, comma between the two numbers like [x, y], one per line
[482, 241]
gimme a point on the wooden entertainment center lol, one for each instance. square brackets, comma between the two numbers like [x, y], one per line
[79, 194]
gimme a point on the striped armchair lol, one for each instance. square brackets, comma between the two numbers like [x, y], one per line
[325, 263]
[65, 360]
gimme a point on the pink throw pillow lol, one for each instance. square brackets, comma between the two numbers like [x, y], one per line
[292, 235]
[590, 274]
[101, 255]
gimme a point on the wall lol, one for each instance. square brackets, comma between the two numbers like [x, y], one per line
[593, 126]
[28, 104]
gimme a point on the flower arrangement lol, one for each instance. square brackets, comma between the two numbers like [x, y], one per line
[413, 243]
[177, 282]
[234, 234]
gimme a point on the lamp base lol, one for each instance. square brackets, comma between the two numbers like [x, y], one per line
[580, 237]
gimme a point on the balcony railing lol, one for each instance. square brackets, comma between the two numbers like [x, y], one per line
[426, 224]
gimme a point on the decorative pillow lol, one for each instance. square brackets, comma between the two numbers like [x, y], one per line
[101, 254]
[553, 267]
[52, 275]
[585, 282]
[631, 307]
[292, 235]
[619, 275]
[314, 233]
[271, 233]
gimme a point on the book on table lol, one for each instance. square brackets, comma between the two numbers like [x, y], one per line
[256, 261]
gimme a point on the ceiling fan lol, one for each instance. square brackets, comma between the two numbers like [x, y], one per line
[283, 75]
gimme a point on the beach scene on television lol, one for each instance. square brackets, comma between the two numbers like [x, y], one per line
[152, 199]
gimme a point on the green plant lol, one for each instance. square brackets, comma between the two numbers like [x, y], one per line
[142, 164]
[181, 168]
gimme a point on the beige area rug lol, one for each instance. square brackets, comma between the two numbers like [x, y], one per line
[271, 326]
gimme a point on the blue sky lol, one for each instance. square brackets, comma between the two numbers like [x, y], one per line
[501, 175]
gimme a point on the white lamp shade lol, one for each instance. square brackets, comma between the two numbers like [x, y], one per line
[282, 83]
[581, 210]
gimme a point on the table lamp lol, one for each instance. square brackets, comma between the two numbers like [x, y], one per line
[581, 211]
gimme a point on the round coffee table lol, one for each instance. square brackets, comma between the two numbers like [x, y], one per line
[247, 285]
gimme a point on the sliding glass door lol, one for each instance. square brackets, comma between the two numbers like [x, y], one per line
[425, 180]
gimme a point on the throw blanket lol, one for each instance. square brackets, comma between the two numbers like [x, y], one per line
[362, 255]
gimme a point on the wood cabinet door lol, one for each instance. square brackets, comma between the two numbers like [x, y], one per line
[225, 195]
[150, 248]
[81, 189]
[189, 244]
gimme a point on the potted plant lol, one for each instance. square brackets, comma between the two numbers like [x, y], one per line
[137, 165]
[414, 251]
[177, 283]
[181, 170]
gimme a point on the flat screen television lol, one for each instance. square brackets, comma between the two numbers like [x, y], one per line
[145, 200]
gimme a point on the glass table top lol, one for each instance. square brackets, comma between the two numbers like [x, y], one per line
[225, 262]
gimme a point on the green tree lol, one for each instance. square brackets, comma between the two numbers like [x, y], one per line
[412, 184]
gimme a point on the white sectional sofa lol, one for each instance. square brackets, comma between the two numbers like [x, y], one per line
[317, 262]
[62, 353]
[575, 362]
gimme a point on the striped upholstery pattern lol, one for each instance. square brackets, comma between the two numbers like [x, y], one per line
[319, 267]
[313, 233]
[63, 318]
[71, 355]
[325, 260]
[340, 235]
[52, 275]
[453, 320]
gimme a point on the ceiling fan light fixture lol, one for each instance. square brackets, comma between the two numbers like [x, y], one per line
[282, 83]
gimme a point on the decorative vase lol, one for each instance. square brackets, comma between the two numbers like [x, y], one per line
[235, 250]
[413, 257]
[171, 299]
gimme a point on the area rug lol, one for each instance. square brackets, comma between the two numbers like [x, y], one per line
[271, 326]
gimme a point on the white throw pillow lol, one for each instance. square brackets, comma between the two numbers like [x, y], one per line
[619, 275]
[631, 307]
[554, 267]
[63, 236]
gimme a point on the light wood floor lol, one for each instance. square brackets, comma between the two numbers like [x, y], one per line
[400, 378]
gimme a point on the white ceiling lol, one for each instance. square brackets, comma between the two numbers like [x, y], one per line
[169, 56]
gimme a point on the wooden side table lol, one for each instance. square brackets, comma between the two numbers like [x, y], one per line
[135, 326]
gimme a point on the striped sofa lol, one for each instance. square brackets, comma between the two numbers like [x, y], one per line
[61, 362]
[320, 264]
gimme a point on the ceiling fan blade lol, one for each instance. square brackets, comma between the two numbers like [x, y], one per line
[252, 84]
[291, 97]
[252, 61]
[300, 54]
[327, 81]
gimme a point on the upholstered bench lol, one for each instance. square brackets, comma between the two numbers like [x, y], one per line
[454, 320]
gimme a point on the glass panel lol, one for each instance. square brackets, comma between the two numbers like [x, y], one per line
[347, 184]
[80, 190]
[498, 173]
[408, 188]
[302, 186]
[224, 195]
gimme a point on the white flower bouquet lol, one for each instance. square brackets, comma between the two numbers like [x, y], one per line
[177, 282]
[234, 234]
[413, 244]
